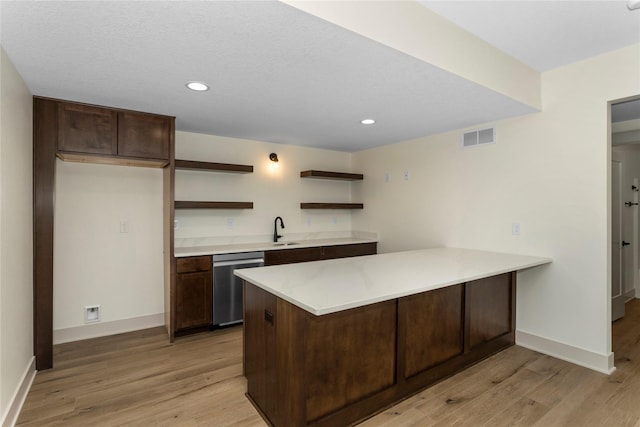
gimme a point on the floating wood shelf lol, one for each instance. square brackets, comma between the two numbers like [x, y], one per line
[331, 175]
[212, 205]
[215, 167]
[331, 206]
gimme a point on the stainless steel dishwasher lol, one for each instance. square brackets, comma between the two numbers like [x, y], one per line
[227, 288]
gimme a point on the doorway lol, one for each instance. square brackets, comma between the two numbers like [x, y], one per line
[625, 211]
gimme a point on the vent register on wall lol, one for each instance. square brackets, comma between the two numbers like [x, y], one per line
[478, 137]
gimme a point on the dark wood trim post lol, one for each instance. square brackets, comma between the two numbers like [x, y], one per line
[45, 117]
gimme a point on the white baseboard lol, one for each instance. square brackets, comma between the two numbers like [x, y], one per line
[20, 395]
[579, 356]
[102, 329]
[629, 295]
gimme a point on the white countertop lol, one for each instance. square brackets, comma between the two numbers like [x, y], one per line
[263, 246]
[323, 287]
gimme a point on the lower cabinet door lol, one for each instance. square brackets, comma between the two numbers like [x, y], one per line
[193, 299]
[432, 328]
[491, 303]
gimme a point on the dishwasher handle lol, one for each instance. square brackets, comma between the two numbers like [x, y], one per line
[238, 262]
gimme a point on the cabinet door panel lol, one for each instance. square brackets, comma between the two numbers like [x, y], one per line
[87, 129]
[143, 135]
[362, 360]
[490, 308]
[433, 327]
[193, 300]
[260, 314]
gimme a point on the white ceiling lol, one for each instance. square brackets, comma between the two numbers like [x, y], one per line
[546, 34]
[281, 75]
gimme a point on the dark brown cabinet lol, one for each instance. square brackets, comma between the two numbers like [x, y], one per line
[194, 281]
[94, 134]
[300, 368]
[143, 135]
[87, 132]
[260, 362]
[194, 284]
[317, 253]
[346, 251]
[87, 129]
[491, 301]
[291, 256]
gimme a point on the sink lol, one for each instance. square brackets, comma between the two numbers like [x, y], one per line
[285, 243]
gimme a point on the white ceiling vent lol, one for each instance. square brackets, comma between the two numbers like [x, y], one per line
[478, 137]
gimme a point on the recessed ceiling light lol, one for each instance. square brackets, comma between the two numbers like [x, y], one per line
[367, 121]
[197, 86]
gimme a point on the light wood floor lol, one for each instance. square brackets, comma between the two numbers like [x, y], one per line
[139, 379]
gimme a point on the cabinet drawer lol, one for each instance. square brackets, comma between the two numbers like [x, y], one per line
[193, 264]
[290, 256]
[345, 251]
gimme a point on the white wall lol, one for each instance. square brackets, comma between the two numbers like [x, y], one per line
[274, 192]
[549, 172]
[94, 263]
[16, 244]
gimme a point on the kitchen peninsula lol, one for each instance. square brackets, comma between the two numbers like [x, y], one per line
[330, 343]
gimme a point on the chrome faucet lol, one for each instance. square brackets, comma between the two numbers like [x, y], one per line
[276, 236]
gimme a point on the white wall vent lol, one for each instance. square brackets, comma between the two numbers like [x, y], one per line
[478, 137]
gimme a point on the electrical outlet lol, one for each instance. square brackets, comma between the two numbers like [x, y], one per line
[92, 313]
[124, 226]
[406, 175]
[335, 220]
[387, 177]
[229, 223]
[515, 229]
[175, 224]
[308, 221]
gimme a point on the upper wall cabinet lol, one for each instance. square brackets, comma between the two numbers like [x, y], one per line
[143, 135]
[87, 129]
[105, 135]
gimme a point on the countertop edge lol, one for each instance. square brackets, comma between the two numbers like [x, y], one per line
[264, 246]
[534, 262]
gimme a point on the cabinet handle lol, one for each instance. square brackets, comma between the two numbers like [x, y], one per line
[268, 316]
